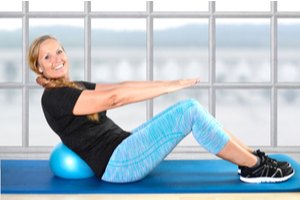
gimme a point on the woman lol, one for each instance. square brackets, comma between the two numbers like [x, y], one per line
[76, 111]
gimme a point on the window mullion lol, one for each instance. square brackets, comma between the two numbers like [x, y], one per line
[212, 58]
[25, 74]
[274, 48]
[87, 41]
[149, 65]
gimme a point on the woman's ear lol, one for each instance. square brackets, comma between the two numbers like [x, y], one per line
[40, 69]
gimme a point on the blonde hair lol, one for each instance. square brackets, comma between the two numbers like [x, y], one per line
[32, 57]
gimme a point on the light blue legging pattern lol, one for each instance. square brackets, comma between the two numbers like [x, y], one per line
[150, 143]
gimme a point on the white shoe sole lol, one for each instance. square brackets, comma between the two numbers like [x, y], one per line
[266, 179]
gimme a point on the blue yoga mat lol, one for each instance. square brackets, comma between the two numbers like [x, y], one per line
[171, 176]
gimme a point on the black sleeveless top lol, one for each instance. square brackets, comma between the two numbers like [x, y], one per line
[93, 141]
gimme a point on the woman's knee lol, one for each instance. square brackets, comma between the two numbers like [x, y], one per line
[189, 102]
[193, 103]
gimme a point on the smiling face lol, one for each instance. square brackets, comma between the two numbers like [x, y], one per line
[52, 60]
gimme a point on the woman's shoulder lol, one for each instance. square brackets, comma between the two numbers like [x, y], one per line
[86, 84]
[60, 93]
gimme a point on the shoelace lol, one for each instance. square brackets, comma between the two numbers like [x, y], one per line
[271, 166]
[267, 158]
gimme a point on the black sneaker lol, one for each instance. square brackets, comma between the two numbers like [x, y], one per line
[266, 172]
[262, 154]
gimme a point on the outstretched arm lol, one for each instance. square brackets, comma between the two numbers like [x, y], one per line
[135, 84]
[109, 96]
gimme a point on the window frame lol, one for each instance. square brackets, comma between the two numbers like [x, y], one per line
[212, 85]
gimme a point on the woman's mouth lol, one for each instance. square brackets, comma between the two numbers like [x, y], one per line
[59, 67]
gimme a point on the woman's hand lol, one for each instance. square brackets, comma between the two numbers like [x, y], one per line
[188, 82]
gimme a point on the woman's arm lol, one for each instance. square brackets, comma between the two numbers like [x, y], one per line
[108, 86]
[116, 95]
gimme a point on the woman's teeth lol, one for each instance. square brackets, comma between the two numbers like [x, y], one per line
[58, 67]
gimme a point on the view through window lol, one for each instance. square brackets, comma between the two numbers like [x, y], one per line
[247, 58]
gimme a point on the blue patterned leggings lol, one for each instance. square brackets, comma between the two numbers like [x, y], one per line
[150, 143]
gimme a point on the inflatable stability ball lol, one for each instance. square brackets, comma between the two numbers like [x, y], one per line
[65, 163]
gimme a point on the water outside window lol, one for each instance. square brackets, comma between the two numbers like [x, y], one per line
[243, 50]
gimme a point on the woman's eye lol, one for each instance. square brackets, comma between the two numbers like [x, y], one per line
[59, 51]
[46, 57]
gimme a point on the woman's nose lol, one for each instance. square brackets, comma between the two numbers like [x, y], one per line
[57, 58]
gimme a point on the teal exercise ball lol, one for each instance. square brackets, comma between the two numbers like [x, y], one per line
[66, 164]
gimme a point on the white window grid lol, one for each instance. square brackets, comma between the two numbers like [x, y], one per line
[273, 85]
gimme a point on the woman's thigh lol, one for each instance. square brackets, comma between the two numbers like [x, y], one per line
[149, 144]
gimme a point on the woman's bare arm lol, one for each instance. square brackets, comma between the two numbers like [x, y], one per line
[116, 95]
[108, 86]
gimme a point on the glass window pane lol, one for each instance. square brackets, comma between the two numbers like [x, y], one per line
[288, 50]
[187, 5]
[11, 117]
[288, 6]
[114, 5]
[10, 50]
[40, 133]
[235, 5]
[288, 117]
[56, 5]
[10, 6]
[165, 101]
[71, 35]
[242, 50]
[118, 53]
[181, 48]
[245, 113]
